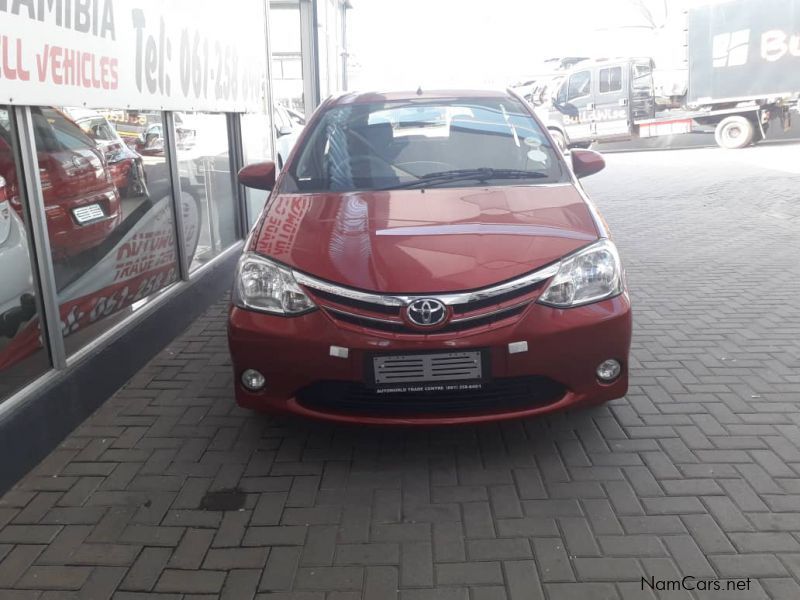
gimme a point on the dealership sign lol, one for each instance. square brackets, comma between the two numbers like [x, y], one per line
[143, 54]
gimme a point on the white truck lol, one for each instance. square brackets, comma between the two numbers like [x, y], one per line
[742, 73]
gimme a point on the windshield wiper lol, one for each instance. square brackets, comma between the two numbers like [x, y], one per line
[483, 175]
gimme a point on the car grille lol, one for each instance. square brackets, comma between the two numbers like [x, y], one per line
[378, 316]
[496, 396]
[398, 326]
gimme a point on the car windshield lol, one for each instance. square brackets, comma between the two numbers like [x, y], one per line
[98, 129]
[425, 143]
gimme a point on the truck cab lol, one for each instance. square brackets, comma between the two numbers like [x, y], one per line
[601, 100]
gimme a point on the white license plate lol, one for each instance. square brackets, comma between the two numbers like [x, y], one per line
[427, 368]
[91, 212]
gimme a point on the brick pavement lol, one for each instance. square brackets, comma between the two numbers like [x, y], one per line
[695, 472]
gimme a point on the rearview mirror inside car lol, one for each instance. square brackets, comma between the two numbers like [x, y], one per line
[587, 162]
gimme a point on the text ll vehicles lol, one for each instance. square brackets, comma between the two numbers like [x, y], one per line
[428, 258]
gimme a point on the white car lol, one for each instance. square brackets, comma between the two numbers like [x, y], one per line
[16, 291]
[287, 130]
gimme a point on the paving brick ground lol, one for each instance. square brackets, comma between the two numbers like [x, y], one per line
[694, 473]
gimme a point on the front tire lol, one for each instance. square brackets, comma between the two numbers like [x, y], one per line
[733, 133]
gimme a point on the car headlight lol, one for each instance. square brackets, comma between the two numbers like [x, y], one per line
[591, 274]
[266, 286]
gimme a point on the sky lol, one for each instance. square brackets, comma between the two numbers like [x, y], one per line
[494, 43]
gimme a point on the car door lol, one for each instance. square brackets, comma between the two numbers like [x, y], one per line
[575, 102]
[612, 103]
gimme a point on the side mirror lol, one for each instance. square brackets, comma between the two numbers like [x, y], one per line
[284, 130]
[260, 175]
[587, 162]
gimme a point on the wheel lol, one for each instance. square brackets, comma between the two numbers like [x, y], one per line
[559, 139]
[734, 132]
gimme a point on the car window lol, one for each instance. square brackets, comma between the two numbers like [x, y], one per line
[641, 70]
[561, 97]
[53, 132]
[282, 121]
[610, 80]
[99, 129]
[368, 146]
[580, 84]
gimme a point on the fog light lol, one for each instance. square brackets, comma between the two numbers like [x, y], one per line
[253, 380]
[608, 370]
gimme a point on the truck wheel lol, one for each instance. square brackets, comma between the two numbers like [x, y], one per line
[734, 132]
[559, 139]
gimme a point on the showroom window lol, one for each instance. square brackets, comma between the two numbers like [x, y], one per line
[257, 147]
[22, 356]
[287, 56]
[209, 197]
[109, 214]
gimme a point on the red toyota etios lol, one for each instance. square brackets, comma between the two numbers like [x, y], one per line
[428, 258]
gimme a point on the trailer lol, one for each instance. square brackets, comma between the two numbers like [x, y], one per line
[743, 73]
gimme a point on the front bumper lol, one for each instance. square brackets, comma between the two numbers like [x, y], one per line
[564, 346]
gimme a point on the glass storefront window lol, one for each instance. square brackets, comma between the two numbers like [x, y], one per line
[257, 146]
[205, 175]
[109, 213]
[22, 357]
[285, 43]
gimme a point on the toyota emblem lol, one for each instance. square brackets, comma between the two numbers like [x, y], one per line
[426, 312]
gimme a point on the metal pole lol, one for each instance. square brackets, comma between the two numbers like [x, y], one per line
[308, 47]
[345, 54]
[171, 149]
[236, 162]
[30, 189]
[268, 83]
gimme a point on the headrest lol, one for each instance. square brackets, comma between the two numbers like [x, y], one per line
[377, 135]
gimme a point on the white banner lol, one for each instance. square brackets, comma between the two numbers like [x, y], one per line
[143, 54]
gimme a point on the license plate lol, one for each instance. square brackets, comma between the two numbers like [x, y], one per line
[440, 371]
[91, 212]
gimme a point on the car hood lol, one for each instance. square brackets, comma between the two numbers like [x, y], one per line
[415, 241]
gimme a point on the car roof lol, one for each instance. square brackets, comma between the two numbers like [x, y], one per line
[79, 114]
[420, 94]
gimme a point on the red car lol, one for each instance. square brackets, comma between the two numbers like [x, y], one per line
[124, 164]
[81, 201]
[428, 258]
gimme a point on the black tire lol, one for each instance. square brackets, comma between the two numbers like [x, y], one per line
[733, 133]
[559, 139]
